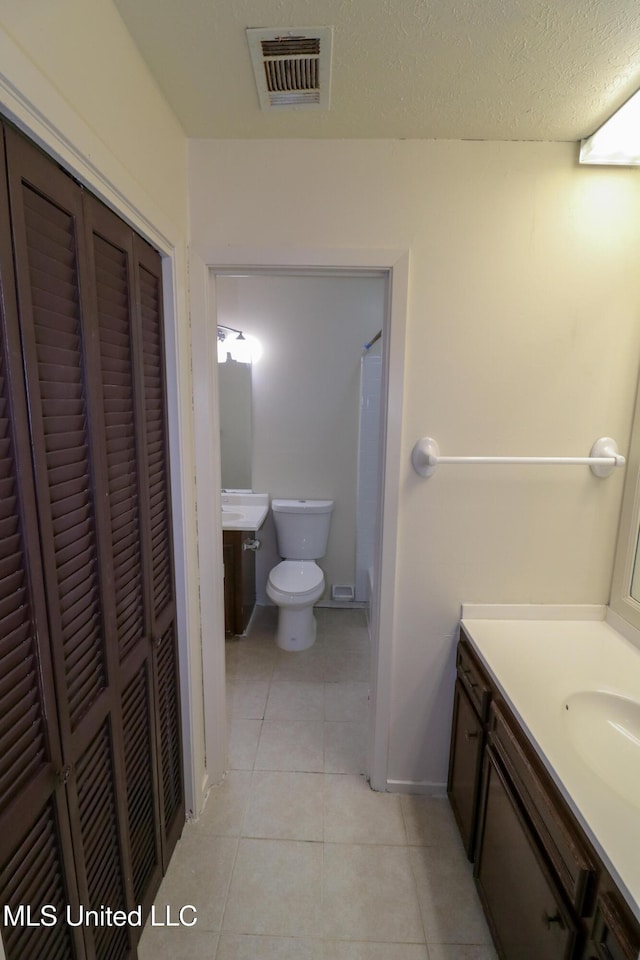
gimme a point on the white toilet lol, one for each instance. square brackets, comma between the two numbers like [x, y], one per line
[295, 584]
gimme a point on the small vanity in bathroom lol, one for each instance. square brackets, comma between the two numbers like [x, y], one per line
[243, 513]
[544, 780]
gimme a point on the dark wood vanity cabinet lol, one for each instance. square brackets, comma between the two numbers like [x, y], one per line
[533, 870]
[470, 712]
[524, 906]
[613, 935]
[545, 892]
[239, 580]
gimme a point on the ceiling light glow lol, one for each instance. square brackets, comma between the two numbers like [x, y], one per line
[617, 141]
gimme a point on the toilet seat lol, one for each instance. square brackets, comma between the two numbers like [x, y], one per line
[298, 580]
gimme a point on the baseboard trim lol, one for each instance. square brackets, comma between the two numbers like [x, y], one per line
[425, 787]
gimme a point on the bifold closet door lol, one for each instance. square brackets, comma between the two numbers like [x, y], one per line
[36, 855]
[127, 324]
[90, 306]
[68, 458]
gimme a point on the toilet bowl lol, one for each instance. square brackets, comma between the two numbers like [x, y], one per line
[297, 582]
[294, 586]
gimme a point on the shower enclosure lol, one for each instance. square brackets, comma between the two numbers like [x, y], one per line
[368, 460]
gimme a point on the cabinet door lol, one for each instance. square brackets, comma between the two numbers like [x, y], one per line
[239, 580]
[248, 561]
[465, 766]
[228, 557]
[525, 909]
[615, 936]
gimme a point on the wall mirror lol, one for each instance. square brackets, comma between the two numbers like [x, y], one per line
[234, 391]
[625, 586]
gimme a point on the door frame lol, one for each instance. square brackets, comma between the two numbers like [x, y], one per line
[204, 264]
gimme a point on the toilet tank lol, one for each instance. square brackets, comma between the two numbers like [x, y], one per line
[302, 527]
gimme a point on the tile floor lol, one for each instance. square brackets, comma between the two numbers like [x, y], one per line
[295, 857]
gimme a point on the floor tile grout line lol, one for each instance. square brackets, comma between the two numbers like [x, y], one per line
[415, 884]
[226, 894]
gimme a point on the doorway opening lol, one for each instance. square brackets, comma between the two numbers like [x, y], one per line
[390, 268]
[299, 387]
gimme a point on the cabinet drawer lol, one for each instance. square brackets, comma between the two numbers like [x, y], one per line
[525, 908]
[473, 678]
[545, 807]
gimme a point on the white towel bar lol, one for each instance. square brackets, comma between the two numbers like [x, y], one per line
[603, 458]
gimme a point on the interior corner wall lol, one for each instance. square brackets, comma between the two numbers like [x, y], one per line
[72, 79]
[522, 338]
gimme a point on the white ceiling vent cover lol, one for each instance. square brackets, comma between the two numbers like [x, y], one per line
[292, 67]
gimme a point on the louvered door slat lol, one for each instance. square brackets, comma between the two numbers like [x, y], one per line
[47, 271]
[63, 441]
[9, 558]
[54, 337]
[15, 646]
[13, 599]
[50, 310]
[17, 664]
[66, 506]
[115, 338]
[69, 525]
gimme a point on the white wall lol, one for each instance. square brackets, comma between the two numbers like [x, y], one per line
[522, 338]
[306, 395]
[72, 78]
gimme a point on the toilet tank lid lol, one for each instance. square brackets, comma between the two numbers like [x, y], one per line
[302, 506]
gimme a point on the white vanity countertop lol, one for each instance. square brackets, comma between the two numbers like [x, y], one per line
[537, 663]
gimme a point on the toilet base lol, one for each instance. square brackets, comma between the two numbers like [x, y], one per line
[296, 628]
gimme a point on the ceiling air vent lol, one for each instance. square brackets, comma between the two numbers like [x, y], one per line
[292, 67]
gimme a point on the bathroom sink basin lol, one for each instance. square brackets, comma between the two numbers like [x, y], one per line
[243, 510]
[604, 728]
[228, 515]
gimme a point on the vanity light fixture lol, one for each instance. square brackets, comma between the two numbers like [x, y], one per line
[233, 345]
[222, 335]
[617, 141]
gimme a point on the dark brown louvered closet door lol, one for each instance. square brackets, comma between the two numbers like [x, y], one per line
[158, 538]
[36, 856]
[91, 339]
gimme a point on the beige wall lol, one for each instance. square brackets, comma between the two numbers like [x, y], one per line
[76, 62]
[73, 80]
[523, 337]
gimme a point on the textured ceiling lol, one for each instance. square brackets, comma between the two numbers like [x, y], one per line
[452, 69]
